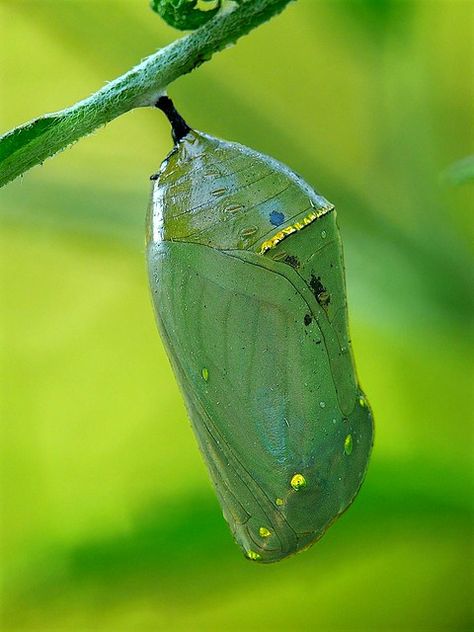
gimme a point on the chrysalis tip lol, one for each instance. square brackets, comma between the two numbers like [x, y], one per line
[179, 127]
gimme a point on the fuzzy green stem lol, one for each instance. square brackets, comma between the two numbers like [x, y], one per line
[33, 142]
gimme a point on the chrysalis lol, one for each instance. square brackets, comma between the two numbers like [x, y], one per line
[247, 278]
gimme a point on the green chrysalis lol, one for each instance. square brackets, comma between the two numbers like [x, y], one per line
[247, 278]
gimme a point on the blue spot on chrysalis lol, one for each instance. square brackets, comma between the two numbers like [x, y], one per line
[276, 218]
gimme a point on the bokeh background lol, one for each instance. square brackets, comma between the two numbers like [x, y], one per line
[370, 101]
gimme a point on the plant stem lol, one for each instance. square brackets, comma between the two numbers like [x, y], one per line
[33, 142]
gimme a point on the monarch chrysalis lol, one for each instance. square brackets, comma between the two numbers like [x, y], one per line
[247, 278]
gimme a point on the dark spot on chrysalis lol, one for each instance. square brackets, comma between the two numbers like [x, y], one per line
[292, 261]
[316, 285]
[324, 298]
[276, 218]
[322, 295]
[307, 319]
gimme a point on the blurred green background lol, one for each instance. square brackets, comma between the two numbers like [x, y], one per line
[370, 101]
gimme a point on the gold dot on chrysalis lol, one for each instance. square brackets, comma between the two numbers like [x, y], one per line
[348, 444]
[298, 482]
[264, 532]
[279, 502]
[205, 374]
[362, 401]
[252, 555]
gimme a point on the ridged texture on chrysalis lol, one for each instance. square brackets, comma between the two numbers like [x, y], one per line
[247, 277]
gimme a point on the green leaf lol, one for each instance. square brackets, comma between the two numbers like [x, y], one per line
[33, 142]
[184, 14]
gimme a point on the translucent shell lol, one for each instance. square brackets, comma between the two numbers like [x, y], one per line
[247, 278]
